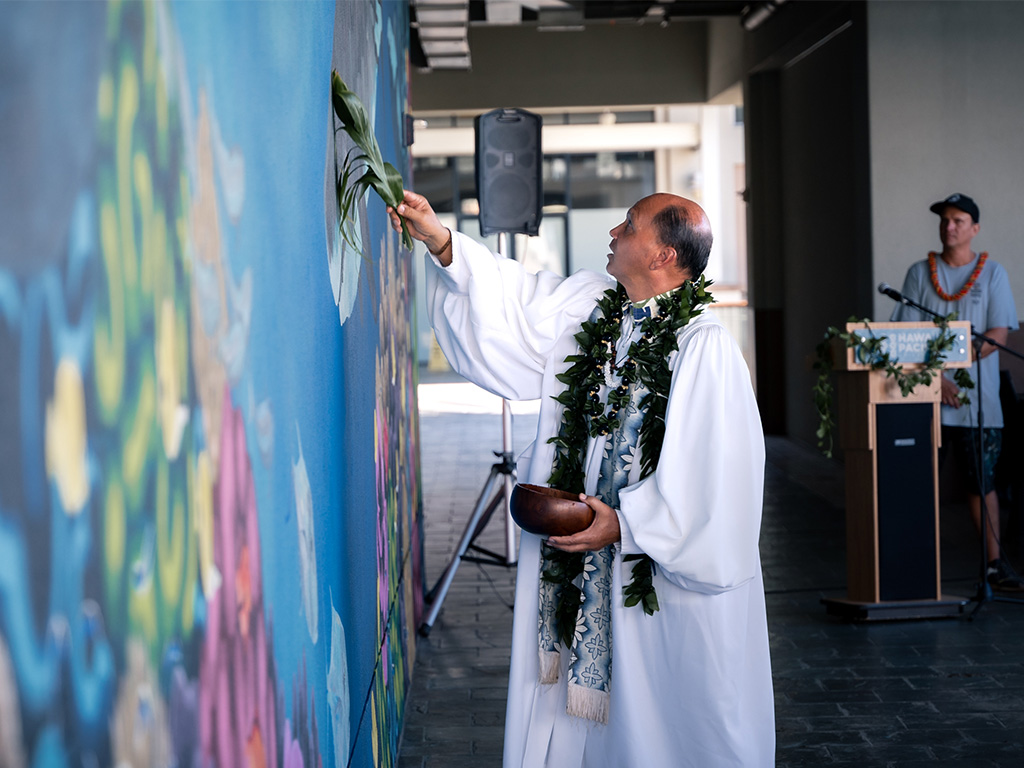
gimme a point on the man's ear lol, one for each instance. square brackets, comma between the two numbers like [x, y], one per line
[665, 258]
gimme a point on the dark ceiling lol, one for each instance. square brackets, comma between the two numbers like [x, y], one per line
[632, 10]
[444, 44]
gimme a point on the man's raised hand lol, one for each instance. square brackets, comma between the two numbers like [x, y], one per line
[423, 224]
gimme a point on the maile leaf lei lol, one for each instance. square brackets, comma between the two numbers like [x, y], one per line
[584, 417]
[382, 176]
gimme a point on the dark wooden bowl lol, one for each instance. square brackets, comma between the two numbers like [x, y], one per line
[549, 511]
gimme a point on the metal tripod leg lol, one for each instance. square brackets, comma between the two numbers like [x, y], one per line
[499, 483]
[511, 554]
[505, 472]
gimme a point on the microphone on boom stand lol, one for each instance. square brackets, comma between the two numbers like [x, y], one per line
[984, 591]
[887, 290]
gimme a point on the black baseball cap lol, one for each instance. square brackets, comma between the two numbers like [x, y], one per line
[962, 202]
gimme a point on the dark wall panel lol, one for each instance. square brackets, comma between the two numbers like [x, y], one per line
[810, 198]
[825, 207]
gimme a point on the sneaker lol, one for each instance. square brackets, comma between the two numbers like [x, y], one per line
[1002, 577]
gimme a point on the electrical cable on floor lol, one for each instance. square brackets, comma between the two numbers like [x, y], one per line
[494, 587]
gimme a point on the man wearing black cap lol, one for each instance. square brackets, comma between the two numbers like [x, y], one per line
[978, 290]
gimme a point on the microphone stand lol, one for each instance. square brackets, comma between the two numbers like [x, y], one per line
[984, 592]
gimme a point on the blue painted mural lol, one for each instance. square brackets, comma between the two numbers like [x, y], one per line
[210, 525]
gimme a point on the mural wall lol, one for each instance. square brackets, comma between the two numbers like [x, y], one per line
[209, 513]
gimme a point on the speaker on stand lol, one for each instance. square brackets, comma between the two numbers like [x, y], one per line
[509, 191]
[508, 171]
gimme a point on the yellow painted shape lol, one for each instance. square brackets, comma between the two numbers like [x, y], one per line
[181, 350]
[142, 612]
[114, 537]
[149, 64]
[144, 191]
[127, 110]
[170, 541]
[181, 224]
[138, 428]
[66, 438]
[410, 613]
[160, 268]
[105, 97]
[375, 730]
[109, 337]
[202, 520]
[162, 124]
[173, 415]
[188, 594]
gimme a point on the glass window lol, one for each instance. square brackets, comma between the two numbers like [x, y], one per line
[641, 116]
[610, 179]
[547, 250]
[470, 225]
[590, 237]
[555, 178]
[465, 169]
[432, 178]
[584, 118]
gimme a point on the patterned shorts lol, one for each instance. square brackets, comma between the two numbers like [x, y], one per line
[963, 441]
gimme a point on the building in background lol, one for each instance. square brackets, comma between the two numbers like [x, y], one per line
[597, 163]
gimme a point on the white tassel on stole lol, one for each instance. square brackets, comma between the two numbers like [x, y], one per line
[588, 702]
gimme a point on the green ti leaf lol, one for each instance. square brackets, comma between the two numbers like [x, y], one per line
[379, 175]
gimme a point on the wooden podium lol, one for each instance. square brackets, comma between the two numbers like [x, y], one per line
[890, 443]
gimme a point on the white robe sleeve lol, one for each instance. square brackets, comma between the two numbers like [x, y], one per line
[498, 324]
[698, 515]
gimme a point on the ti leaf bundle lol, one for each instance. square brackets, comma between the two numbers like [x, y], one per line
[383, 177]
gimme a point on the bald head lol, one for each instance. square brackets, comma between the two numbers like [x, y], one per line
[664, 241]
[682, 225]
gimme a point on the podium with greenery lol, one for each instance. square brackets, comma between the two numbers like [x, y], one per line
[889, 394]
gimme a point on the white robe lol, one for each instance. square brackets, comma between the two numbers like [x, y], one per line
[690, 685]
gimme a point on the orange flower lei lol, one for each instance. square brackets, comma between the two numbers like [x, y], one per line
[933, 270]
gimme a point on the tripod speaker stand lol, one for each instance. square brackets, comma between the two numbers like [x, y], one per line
[508, 181]
[496, 494]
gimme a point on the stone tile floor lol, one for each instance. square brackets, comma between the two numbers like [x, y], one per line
[901, 694]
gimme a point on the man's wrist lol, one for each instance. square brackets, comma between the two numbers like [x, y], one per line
[437, 247]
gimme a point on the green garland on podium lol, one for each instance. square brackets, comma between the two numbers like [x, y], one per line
[871, 349]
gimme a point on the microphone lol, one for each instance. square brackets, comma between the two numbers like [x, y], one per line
[887, 290]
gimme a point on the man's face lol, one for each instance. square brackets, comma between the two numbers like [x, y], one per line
[956, 228]
[634, 241]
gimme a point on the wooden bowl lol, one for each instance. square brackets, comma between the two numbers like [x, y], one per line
[549, 511]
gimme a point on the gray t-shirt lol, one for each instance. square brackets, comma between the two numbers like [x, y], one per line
[989, 304]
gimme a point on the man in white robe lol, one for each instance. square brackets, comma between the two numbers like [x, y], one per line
[691, 684]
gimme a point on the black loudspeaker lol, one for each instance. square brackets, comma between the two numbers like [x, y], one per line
[508, 171]
[907, 559]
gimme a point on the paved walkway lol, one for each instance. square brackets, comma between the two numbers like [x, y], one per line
[901, 694]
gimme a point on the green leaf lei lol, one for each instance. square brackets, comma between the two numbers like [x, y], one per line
[935, 355]
[585, 416]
